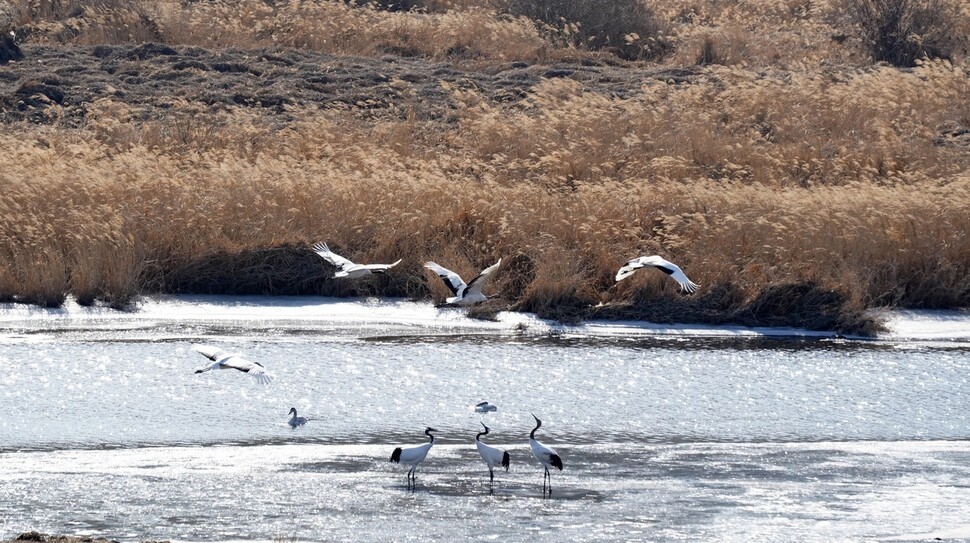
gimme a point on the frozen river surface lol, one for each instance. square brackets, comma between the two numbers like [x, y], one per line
[666, 434]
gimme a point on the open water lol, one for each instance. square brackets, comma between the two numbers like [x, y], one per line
[105, 430]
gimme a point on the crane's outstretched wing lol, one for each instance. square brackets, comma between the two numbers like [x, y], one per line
[380, 268]
[452, 280]
[249, 367]
[476, 284]
[212, 353]
[671, 269]
[332, 257]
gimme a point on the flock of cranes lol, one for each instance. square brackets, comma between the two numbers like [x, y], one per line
[410, 456]
[471, 292]
[464, 294]
[492, 456]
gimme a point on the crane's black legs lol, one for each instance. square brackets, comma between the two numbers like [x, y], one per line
[412, 482]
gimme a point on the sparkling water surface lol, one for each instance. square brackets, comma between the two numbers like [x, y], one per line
[105, 430]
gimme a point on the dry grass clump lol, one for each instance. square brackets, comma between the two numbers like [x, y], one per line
[785, 34]
[627, 28]
[775, 129]
[796, 33]
[337, 29]
[327, 26]
[86, 21]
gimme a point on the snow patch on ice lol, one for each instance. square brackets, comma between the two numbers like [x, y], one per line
[371, 316]
[924, 325]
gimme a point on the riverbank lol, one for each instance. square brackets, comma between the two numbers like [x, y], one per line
[196, 316]
[800, 184]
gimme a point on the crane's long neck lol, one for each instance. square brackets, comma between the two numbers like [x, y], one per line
[538, 424]
[429, 434]
[480, 434]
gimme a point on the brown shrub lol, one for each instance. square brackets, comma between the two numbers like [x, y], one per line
[726, 48]
[328, 26]
[88, 21]
[902, 32]
[627, 28]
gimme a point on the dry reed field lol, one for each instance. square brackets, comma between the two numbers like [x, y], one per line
[756, 143]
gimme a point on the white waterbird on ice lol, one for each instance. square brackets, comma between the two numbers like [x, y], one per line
[547, 456]
[295, 420]
[485, 407]
[348, 268]
[492, 456]
[464, 294]
[666, 266]
[412, 456]
[222, 360]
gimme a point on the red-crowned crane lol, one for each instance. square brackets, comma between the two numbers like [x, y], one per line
[347, 268]
[412, 456]
[222, 360]
[464, 294]
[666, 266]
[547, 456]
[491, 455]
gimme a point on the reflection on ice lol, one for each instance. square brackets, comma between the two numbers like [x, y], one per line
[821, 491]
[97, 394]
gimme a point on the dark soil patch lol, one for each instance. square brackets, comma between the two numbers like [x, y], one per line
[151, 76]
[40, 91]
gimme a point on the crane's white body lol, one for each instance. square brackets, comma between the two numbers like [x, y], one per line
[464, 294]
[666, 266]
[412, 456]
[491, 455]
[295, 421]
[222, 360]
[547, 456]
[348, 269]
